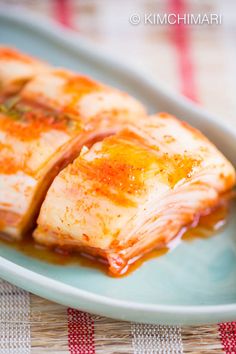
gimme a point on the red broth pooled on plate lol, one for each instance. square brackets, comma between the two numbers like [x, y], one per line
[204, 226]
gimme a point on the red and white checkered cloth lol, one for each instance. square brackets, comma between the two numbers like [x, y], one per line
[197, 62]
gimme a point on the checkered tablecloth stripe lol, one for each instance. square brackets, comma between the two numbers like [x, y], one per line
[199, 62]
[30, 324]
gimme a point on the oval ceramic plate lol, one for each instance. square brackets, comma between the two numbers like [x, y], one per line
[196, 282]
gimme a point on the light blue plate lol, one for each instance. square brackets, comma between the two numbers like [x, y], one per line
[196, 282]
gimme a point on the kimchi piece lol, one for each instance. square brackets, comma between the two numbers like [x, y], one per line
[42, 128]
[134, 191]
[16, 69]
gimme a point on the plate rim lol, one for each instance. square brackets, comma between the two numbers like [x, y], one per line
[182, 314]
[47, 283]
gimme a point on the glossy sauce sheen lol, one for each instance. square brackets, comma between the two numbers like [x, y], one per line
[204, 227]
